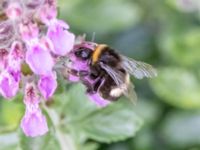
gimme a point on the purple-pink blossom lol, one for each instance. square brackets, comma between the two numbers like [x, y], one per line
[28, 30]
[39, 59]
[62, 39]
[34, 123]
[9, 83]
[98, 100]
[14, 10]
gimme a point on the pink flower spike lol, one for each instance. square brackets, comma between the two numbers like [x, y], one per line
[47, 85]
[61, 38]
[31, 97]
[28, 31]
[9, 83]
[39, 59]
[14, 10]
[34, 123]
[98, 100]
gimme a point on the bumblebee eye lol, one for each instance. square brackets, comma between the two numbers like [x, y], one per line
[83, 53]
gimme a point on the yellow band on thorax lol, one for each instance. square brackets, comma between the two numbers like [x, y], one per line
[97, 52]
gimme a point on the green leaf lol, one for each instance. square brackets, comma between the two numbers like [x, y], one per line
[144, 140]
[148, 110]
[77, 103]
[112, 123]
[182, 129]
[46, 142]
[9, 141]
[10, 114]
[90, 146]
[183, 47]
[177, 87]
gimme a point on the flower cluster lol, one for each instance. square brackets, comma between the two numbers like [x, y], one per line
[32, 40]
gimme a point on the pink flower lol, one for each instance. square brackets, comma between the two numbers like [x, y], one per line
[14, 10]
[98, 100]
[33, 4]
[46, 42]
[16, 55]
[28, 30]
[47, 13]
[61, 38]
[7, 33]
[47, 85]
[72, 78]
[3, 58]
[31, 97]
[9, 83]
[39, 59]
[34, 123]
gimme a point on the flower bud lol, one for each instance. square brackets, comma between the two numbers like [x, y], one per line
[47, 14]
[28, 31]
[3, 59]
[16, 55]
[31, 97]
[33, 4]
[7, 33]
[14, 10]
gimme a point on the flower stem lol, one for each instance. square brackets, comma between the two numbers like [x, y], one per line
[65, 140]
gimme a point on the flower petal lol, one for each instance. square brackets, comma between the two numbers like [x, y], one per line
[14, 10]
[98, 100]
[3, 58]
[16, 55]
[47, 13]
[28, 31]
[47, 85]
[62, 39]
[34, 123]
[39, 60]
[9, 83]
[31, 97]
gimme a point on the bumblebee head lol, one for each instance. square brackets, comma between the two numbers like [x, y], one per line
[83, 53]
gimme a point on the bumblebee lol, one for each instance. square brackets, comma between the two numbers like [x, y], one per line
[108, 72]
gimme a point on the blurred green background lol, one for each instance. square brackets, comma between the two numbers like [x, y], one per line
[164, 33]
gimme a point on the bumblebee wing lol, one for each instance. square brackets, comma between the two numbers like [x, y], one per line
[114, 74]
[131, 94]
[128, 89]
[137, 68]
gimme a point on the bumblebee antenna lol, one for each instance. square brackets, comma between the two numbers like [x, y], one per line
[93, 36]
[84, 36]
